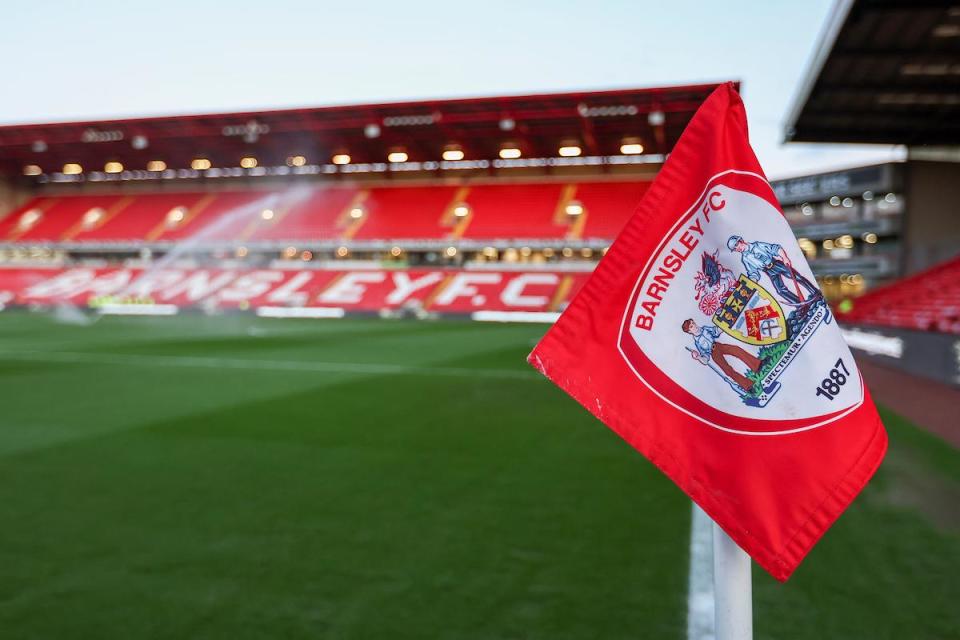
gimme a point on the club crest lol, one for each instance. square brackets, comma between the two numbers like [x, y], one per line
[730, 288]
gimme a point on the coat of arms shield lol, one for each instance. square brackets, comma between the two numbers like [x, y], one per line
[751, 314]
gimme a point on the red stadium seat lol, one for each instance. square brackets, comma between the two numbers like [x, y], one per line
[927, 301]
[299, 214]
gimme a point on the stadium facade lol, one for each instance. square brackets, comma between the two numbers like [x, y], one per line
[887, 72]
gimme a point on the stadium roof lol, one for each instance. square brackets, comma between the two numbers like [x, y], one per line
[598, 122]
[884, 71]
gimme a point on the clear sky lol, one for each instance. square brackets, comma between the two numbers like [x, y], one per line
[96, 59]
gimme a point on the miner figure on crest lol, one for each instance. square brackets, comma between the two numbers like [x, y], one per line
[773, 260]
[708, 348]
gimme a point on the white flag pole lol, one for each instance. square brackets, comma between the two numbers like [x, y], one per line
[732, 588]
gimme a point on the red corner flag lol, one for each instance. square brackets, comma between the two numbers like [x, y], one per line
[702, 339]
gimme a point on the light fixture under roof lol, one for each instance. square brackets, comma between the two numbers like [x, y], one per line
[631, 148]
[356, 212]
[570, 151]
[461, 210]
[452, 154]
[200, 164]
[297, 161]
[32, 170]
[574, 208]
[397, 156]
[156, 165]
[267, 214]
[113, 167]
[341, 158]
[510, 153]
[72, 168]
[248, 162]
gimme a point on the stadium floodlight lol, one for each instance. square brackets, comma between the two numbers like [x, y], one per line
[299, 161]
[156, 165]
[248, 162]
[462, 210]
[200, 164]
[631, 148]
[113, 167]
[570, 151]
[32, 170]
[574, 208]
[510, 153]
[453, 154]
[341, 158]
[267, 214]
[397, 156]
[72, 169]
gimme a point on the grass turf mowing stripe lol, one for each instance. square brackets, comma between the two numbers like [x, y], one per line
[75, 357]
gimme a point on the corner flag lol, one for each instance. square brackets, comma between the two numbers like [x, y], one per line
[703, 340]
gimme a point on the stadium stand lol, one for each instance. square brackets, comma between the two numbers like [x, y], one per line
[927, 301]
[496, 205]
[482, 212]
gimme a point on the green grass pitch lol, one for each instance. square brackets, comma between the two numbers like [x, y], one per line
[232, 477]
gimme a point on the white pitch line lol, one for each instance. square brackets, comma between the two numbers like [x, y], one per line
[700, 604]
[76, 357]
